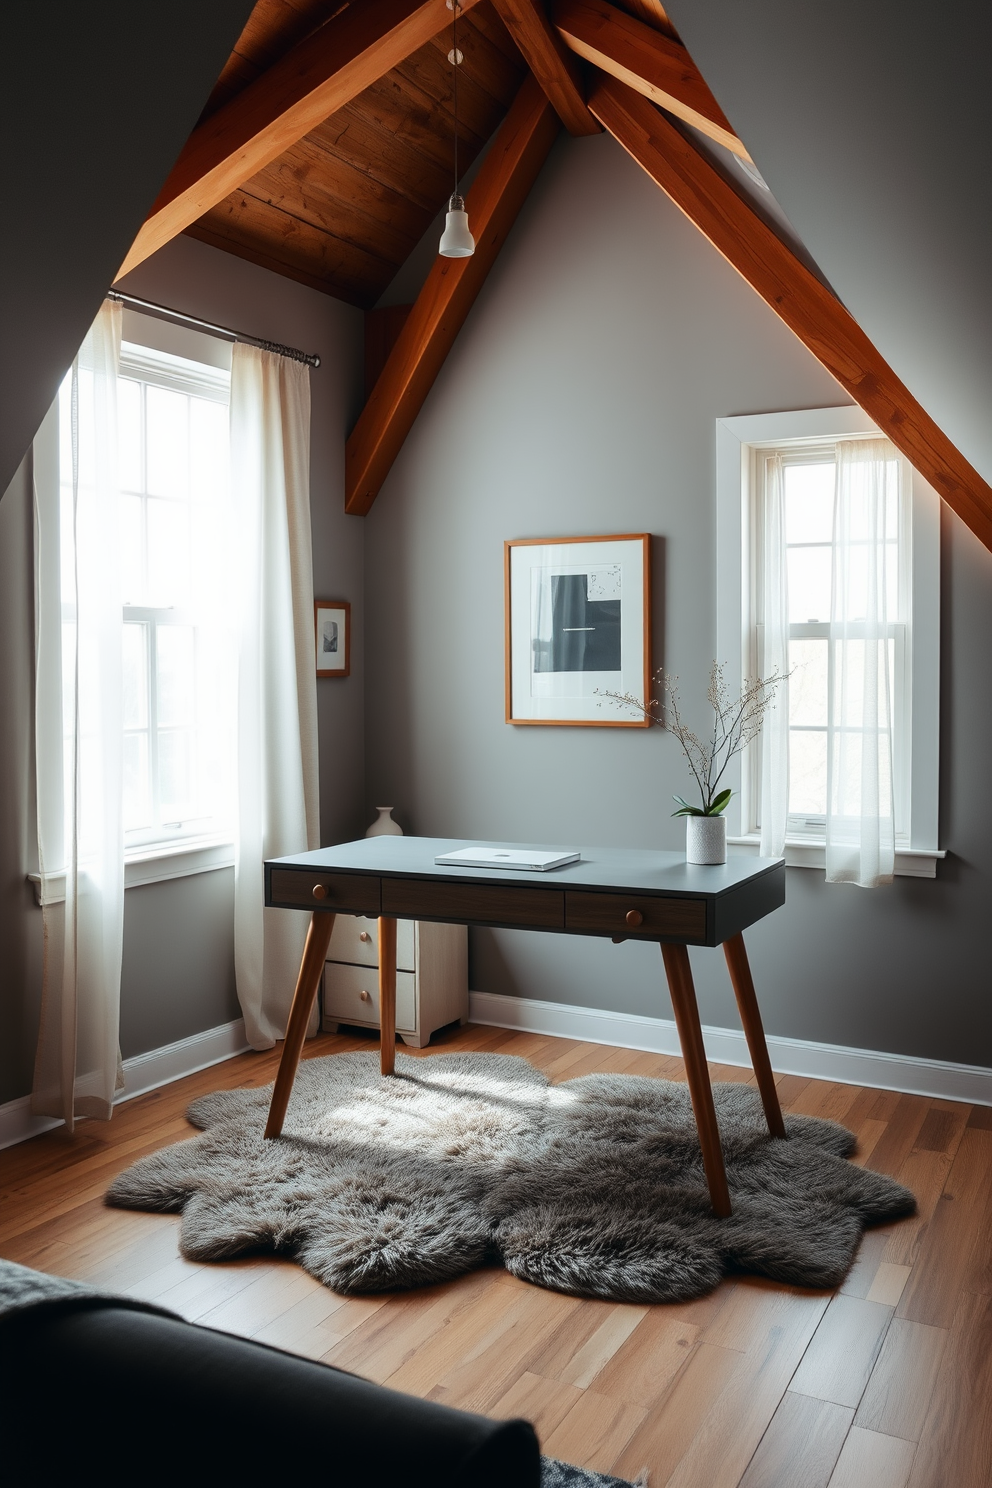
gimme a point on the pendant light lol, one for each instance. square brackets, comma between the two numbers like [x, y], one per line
[456, 240]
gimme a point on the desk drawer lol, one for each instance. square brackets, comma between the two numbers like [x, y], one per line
[475, 904]
[351, 995]
[357, 941]
[351, 893]
[606, 914]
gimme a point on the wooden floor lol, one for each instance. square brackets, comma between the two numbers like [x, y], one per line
[886, 1383]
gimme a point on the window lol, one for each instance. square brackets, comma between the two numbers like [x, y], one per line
[826, 667]
[178, 663]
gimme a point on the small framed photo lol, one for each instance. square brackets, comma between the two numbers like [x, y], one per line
[578, 626]
[332, 636]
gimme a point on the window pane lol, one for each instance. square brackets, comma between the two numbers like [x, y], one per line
[129, 434]
[168, 553]
[132, 550]
[135, 676]
[209, 445]
[809, 584]
[174, 775]
[808, 681]
[175, 658]
[809, 503]
[167, 436]
[807, 772]
[137, 795]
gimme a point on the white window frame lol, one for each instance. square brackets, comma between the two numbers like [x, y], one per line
[183, 855]
[737, 440]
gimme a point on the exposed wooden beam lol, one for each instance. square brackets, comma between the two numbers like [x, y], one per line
[497, 194]
[550, 61]
[644, 59]
[315, 79]
[795, 294]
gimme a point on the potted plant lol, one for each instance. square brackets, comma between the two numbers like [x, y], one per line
[736, 723]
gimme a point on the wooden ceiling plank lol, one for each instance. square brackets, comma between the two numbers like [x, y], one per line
[353, 292]
[310, 185]
[318, 76]
[353, 136]
[486, 64]
[550, 61]
[505, 177]
[338, 266]
[806, 306]
[644, 59]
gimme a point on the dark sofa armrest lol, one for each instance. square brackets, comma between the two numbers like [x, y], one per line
[172, 1402]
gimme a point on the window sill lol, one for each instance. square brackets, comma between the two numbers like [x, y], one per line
[148, 865]
[911, 862]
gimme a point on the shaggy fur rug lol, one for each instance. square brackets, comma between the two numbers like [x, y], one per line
[594, 1187]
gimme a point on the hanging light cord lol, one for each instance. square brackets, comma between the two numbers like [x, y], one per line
[454, 59]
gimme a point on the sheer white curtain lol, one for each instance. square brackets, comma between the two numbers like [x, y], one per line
[79, 739]
[774, 622]
[277, 692]
[864, 599]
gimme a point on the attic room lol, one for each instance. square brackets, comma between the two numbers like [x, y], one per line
[417, 402]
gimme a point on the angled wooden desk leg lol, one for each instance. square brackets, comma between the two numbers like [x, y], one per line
[747, 1003]
[387, 995]
[679, 974]
[314, 956]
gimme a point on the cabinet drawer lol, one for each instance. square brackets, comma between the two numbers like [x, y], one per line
[351, 893]
[343, 1000]
[682, 919]
[357, 940]
[475, 904]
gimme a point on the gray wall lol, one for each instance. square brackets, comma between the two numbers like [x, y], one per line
[872, 127]
[178, 974]
[580, 397]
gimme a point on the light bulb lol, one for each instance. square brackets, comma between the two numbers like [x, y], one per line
[456, 240]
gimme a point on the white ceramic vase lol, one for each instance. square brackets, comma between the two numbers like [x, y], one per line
[706, 839]
[384, 826]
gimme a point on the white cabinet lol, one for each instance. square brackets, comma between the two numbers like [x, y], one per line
[431, 977]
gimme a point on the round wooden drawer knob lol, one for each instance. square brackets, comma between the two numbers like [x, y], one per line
[365, 996]
[364, 935]
[319, 891]
[633, 918]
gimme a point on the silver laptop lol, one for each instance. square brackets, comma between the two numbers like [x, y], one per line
[528, 859]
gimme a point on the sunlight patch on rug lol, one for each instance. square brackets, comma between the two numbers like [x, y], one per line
[593, 1187]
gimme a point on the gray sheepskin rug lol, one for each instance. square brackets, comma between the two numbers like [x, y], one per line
[593, 1187]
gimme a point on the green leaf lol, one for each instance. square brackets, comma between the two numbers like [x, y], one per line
[685, 809]
[719, 803]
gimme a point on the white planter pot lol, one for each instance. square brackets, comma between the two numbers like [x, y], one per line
[706, 839]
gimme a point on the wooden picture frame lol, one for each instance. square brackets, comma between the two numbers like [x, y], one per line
[332, 637]
[557, 673]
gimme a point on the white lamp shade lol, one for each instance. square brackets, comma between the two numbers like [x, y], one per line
[456, 240]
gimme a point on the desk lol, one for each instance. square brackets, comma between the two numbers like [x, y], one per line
[615, 892]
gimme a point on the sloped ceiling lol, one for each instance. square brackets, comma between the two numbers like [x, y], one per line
[872, 124]
[95, 105]
[343, 208]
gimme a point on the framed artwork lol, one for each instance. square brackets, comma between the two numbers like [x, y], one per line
[332, 637]
[578, 625]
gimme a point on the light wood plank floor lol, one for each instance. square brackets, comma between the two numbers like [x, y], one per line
[884, 1384]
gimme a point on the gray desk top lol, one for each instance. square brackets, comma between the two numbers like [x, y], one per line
[635, 869]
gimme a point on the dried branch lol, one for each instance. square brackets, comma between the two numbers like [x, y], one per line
[736, 724]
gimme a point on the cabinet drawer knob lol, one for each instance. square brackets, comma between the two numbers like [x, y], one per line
[364, 935]
[319, 891]
[365, 996]
[633, 918]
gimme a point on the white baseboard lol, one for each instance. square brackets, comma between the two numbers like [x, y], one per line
[142, 1073]
[905, 1073]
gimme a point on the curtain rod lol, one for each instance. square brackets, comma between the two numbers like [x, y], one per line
[310, 359]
